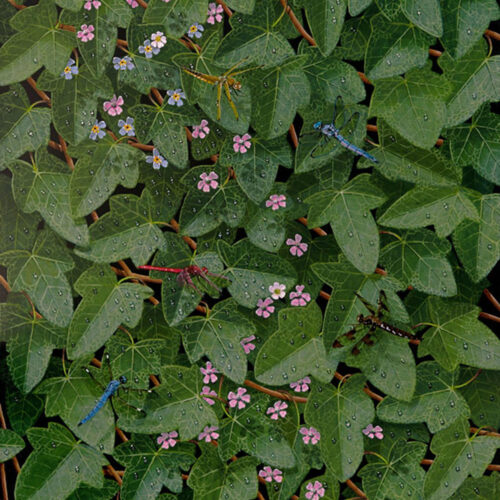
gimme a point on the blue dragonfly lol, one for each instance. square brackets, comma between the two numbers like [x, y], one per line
[329, 131]
[110, 390]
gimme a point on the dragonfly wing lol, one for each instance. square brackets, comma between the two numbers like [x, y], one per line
[325, 146]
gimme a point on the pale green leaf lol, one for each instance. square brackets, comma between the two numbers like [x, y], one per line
[10, 444]
[426, 14]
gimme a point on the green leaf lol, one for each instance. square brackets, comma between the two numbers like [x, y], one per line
[102, 165]
[129, 229]
[464, 23]
[357, 6]
[478, 144]
[443, 207]
[44, 187]
[109, 490]
[457, 336]
[394, 48]
[257, 168]
[483, 488]
[286, 356]
[10, 445]
[40, 273]
[24, 128]
[175, 404]
[265, 229]
[281, 90]
[57, 457]
[340, 414]
[252, 271]
[397, 474]
[213, 479]
[215, 337]
[356, 34]
[436, 400]
[18, 229]
[30, 342]
[473, 80]
[325, 18]
[250, 430]
[148, 469]
[413, 105]
[105, 305]
[424, 14]
[243, 6]
[398, 159]
[457, 456]
[38, 43]
[348, 212]
[477, 243]
[417, 258]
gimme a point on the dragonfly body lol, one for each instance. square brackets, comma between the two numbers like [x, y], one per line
[214, 80]
[110, 390]
[375, 322]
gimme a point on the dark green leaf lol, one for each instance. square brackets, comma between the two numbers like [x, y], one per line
[10, 445]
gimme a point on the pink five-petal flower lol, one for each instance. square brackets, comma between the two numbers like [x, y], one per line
[264, 307]
[301, 385]
[372, 432]
[276, 201]
[242, 144]
[299, 298]
[240, 398]
[207, 393]
[297, 247]
[210, 373]
[91, 3]
[247, 345]
[167, 439]
[86, 34]
[311, 435]
[277, 290]
[277, 410]
[133, 3]
[114, 106]
[269, 474]
[214, 13]
[201, 130]
[315, 490]
[208, 181]
[209, 433]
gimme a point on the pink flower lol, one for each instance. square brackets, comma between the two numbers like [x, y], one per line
[270, 475]
[91, 3]
[315, 491]
[167, 439]
[133, 3]
[86, 34]
[209, 433]
[210, 373]
[214, 13]
[201, 130]
[242, 144]
[114, 107]
[208, 181]
[277, 290]
[301, 385]
[299, 298]
[310, 434]
[276, 201]
[372, 432]
[207, 394]
[277, 410]
[240, 398]
[247, 345]
[296, 247]
[264, 307]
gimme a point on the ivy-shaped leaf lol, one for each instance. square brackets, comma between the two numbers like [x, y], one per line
[10, 444]
[105, 305]
[424, 14]
[482, 488]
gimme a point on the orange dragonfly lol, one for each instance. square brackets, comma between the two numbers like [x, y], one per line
[225, 81]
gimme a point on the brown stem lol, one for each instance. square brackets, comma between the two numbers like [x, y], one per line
[296, 23]
[355, 489]
[492, 299]
[275, 394]
[40, 93]
[227, 10]
[293, 135]
[489, 316]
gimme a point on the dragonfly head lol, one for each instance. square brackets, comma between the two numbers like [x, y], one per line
[317, 126]
[237, 85]
[123, 379]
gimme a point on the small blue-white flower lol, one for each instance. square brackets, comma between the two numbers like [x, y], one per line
[123, 63]
[195, 30]
[148, 50]
[127, 126]
[175, 97]
[157, 160]
[97, 130]
[70, 70]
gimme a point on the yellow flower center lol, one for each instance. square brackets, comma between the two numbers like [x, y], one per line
[157, 159]
[176, 97]
[157, 38]
[67, 69]
[127, 127]
[123, 62]
[193, 29]
[148, 48]
[95, 129]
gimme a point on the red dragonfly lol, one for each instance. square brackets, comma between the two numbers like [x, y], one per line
[185, 275]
